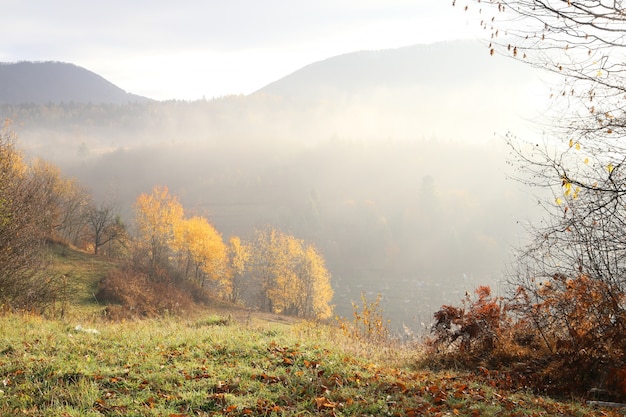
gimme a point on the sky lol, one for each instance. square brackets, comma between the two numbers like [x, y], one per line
[193, 49]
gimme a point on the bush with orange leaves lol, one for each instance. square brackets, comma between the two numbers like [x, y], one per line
[474, 327]
[565, 336]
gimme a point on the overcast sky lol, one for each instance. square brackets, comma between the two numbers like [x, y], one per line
[189, 49]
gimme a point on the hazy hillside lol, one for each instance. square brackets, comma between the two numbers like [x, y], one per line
[452, 90]
[57, 82]
[436, 68]
[399, 176]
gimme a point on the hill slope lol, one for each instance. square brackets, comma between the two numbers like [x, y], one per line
[57, 82]
[446, 65]
[216, 367]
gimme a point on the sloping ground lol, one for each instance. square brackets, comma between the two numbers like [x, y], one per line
[225, 361]
[218, 367]
[79, 273]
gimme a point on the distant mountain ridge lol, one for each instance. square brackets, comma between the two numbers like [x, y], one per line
[57, 82]
[452, 63]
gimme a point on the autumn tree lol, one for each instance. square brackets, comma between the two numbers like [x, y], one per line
[105, 225]
[317, 293]
[201, 251]
[157, 216]
[24, 223]
[73, 216]
[238, 262]
[267, 265]
[290, 276]
[582, 161]
[67, 203]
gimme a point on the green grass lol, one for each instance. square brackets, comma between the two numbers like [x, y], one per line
[223, 362]
[79, 274]
[211, 367]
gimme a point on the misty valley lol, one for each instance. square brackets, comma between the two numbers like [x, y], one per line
[399, 179]
[229, 209]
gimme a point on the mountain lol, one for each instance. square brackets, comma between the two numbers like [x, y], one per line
[450, 65]
[452, 89]
[57, 82]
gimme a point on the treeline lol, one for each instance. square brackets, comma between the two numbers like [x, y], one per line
[168, 260]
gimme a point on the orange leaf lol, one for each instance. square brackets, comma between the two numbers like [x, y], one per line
[322, 402]
[319, 402]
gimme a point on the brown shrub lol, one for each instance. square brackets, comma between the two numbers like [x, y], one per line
[566, 338]
[472, 328]
[368, 323]
[132, 294]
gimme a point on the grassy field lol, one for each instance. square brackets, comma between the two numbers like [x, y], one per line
[222, 362]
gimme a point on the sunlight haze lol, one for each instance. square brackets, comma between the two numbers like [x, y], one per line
[374, 130]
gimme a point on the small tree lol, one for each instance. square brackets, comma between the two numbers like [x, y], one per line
[67, 203]
[201, 250]
[290, 276]
[317, 293]
[157, 215]
[239, 258]
[105, 225]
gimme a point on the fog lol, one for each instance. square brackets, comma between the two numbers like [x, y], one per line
[402, 185]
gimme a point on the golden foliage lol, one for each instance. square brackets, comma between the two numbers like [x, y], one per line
[157, 215]
[238, 260]
[197, 241]
[292, 275]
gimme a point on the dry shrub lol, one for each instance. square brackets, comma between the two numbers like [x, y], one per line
[368, 323]
[132, 294]
[195, 290]
[471, 328]
[567, 337]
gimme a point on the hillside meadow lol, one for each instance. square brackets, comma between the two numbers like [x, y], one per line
[223, 361]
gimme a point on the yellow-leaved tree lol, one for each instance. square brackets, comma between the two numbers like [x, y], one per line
[290, 276]
[318, 293]
[157, 216]
[284, 291]
[200, 249]
[239, 257]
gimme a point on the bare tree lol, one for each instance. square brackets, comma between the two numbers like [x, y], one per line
[105, 225]
[582, 158]
[67, 203]
[571, 278]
